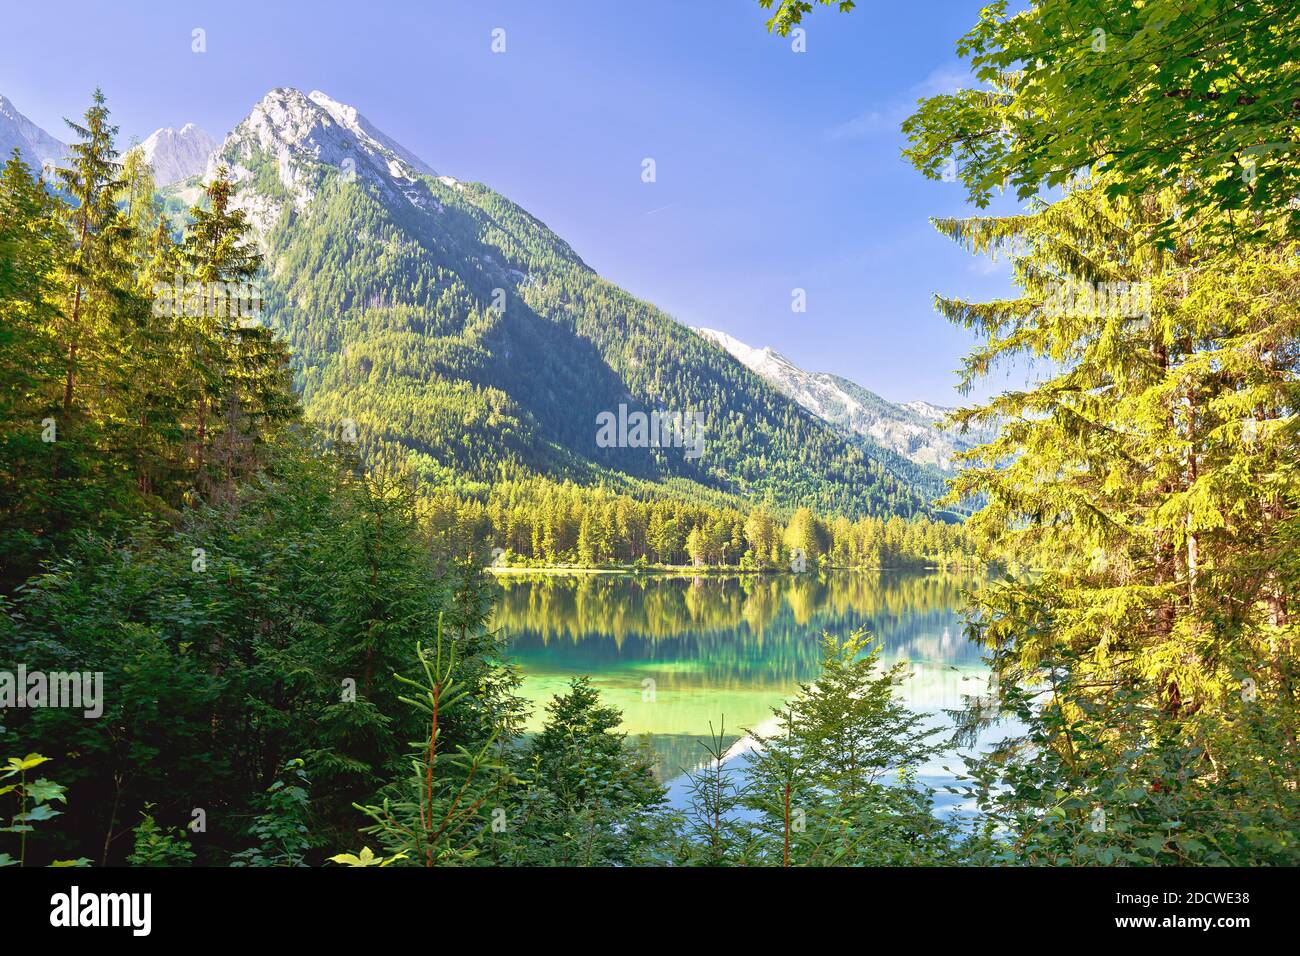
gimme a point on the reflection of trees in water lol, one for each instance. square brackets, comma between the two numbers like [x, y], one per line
[672, 753]
[734, 629]
[675, 753]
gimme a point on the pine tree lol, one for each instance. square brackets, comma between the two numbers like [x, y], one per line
[33, 245]
[1149, 477]
[240, 380]
[138, 200]
[835, 783]
[588, 798]
[92, 181]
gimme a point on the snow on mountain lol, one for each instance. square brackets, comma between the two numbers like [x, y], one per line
[348, 117]
[299, 134]
[910, 429]
[768, 363]
[36, 146]
[176, 155]
[932, 413]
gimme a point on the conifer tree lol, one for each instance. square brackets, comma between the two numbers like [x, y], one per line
[33, 245]
[138, 201]
[1148, 473]
[835, 782]
[240, 381]
[92, 181]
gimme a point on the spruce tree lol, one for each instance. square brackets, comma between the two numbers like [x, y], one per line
[92, 182]
[240, 383]
[33, 246]
[1148, 477]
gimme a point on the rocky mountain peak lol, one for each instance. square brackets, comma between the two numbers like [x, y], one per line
[37, 147]
[178, 154]
[300, 136]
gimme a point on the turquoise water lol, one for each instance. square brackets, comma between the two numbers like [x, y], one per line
[675, 654]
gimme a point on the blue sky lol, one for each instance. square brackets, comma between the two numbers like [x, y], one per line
[776, 170]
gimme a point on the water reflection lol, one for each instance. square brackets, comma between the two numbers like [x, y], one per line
[676, 653]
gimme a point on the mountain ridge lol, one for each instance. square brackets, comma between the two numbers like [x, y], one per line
[445, 289]
[37, 147]
[909, 429]
[467, 342]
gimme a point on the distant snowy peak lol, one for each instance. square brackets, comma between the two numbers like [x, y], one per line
[37, 147]
[178, 154]
[909, 429]
[766, 361]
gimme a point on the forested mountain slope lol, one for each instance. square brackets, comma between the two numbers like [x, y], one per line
[468, 342]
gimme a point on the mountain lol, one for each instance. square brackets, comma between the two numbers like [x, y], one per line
[468, 342]
[911, 429]
[176, 155]
[36, 146]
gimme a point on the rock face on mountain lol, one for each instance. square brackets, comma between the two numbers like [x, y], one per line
[36, 146]
[463, 337]
[911, 429]
[178, 154]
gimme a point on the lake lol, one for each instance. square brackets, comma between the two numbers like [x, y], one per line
[675, 653]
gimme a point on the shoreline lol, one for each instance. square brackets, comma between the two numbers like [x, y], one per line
[686, 570]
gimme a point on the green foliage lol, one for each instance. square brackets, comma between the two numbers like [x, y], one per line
[120, 400]
[266, 624]
[159, 846]
[281, 829]
[34, 801]
[586, 798]
[33, 243]
[1152, 480]
[538, 522]
[834, 783]
[711, 831]
[240, 372]
[1149, 476]
[1199, 93]
[435, 814]
[366, 857]
[790, 13]
[167, 522]
[1118, 783]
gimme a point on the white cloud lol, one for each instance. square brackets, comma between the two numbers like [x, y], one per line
[872, 121]
[986, 266]
[947, 78]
